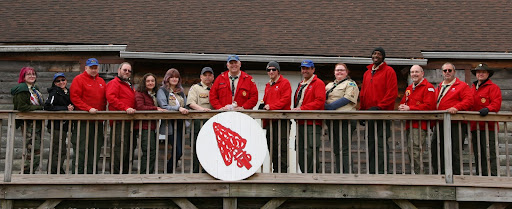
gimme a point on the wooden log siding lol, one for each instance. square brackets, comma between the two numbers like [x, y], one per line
[396, 160]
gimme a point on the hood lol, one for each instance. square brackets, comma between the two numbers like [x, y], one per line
[20, 88]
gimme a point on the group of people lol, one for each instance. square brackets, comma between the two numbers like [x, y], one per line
[236, 90]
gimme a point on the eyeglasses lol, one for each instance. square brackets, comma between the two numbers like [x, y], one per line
[126, 70]
[447, 70]
[271, 69]
[30, 75]
[59, 80]
[340, 69]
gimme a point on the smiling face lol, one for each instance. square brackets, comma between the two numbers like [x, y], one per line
[482, 75]
[30, 77]
[307, 72]
[272, 73]
[150, 83]
[417, 74]
[61, 82]
[377, 57]
[234, 67]
[173, 81]
[340, 72]
[92, 70]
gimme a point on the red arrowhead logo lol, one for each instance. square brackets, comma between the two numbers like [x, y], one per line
[231, 146]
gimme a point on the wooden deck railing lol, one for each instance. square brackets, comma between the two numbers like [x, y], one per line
[20, 146]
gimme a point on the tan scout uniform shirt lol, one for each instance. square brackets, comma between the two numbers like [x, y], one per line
[199, 94]
[347, 89]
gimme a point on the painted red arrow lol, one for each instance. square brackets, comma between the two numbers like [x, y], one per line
[231, 146]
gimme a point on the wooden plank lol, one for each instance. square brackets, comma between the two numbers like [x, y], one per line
[274, 203]
[450, 205]
[404, 204]
[484, 194]
[183, 203]
[7, 204]
[351, 179]
[482, 181]
[499, 205]
[229, 203]
[447, 149]
[115, 191]
[342, 191]
[49, 204]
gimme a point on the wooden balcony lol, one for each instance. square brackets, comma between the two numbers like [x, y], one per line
[398, 187]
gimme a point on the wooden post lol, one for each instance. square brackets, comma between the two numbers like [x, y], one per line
[183, 203]
[229, 203]
[9, 148]
[499, 205]
[404, 204]
[449, 204]
[274, 203]
[7, 204]
[448, 148]
[49, 204]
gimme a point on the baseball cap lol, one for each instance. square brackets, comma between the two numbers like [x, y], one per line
[56, 75]
[307, 63]
[91, 61]
[206, 69]
[233, 57]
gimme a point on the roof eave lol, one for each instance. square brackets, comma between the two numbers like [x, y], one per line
[61, 48]
[265, 58]
[467, 55]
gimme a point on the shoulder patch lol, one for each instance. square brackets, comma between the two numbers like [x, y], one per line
[352, 84]
[431, 89]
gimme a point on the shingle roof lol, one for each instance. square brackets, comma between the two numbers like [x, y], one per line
[281, 27]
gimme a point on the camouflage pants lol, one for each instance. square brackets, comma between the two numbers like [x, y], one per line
[32, 152]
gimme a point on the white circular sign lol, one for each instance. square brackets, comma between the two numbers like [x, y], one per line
[231, 146]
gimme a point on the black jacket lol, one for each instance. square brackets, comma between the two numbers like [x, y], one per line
[57, 101]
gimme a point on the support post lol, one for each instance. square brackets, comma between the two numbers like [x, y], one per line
[229, 203]
[183, 203]
[9, 148]
[49, 204]
[404, 204]
[449, 204]
[274, 203]
[448, 168]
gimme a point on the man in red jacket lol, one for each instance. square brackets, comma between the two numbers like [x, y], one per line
[378, 92]
[278, 93]
[310, 95]
[121, 97]
[87, 93]
[486, 98]
[233, 89]
[452, 95]
[420, 95]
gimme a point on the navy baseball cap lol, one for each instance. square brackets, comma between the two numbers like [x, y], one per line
[58, 75]
[91, 61]
[233, 57]
[307, 63]
[206, 69]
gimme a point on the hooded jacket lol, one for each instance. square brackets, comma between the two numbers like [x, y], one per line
[57, 100]
[21, 100]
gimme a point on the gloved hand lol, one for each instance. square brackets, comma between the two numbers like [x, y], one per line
[374, 108]
[484, 111]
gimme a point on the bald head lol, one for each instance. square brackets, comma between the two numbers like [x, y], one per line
[417, 74]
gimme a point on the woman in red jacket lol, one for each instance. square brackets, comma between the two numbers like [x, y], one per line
[145, 99]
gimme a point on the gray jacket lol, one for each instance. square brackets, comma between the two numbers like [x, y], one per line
[162, 97]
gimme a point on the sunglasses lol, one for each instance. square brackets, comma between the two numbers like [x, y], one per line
[271, 69]
[126, 70]
[59, 80]
[447, 70]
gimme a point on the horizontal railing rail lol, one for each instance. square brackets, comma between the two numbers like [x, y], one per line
[358, 142]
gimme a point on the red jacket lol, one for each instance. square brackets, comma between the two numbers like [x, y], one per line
[120, 95]
[488, 95]
[246, 94]
[422, 97]
[379, 89]
[458, 96]
[88, 92]
[143, 101]
[278, 96]
[314, 98]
